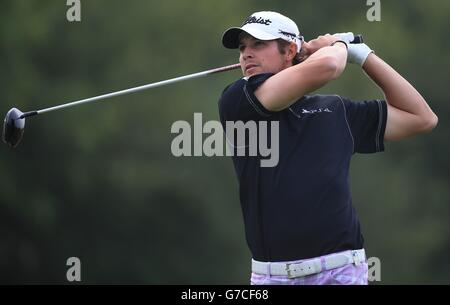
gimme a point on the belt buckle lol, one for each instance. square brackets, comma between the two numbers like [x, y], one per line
[288, 271]
[302, 269]
[356, 258]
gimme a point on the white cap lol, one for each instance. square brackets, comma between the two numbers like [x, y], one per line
[264, 26]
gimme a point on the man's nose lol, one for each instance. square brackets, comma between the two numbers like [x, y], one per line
[247, 54]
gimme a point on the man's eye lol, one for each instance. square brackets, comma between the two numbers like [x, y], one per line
[241, 48]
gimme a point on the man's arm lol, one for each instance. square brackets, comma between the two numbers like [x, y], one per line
[325, 64]
[408, 112]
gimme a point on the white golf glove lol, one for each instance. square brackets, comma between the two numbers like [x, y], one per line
[357, 52]
[347, 37]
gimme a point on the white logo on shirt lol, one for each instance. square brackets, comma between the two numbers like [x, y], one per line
[316, 110]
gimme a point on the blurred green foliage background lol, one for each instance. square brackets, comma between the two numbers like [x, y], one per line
[99, 182]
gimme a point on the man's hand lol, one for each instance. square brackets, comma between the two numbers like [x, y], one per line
[347, 37]
[312, 46]
[357, 52]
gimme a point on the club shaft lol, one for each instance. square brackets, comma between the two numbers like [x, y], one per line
[135, 89]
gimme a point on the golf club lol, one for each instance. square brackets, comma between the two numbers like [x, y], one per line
[14, 123]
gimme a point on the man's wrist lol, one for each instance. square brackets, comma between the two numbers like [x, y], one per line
[358, 53]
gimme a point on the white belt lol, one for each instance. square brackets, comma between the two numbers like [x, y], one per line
[310, 266]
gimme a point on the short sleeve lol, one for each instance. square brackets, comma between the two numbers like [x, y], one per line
[367, 122]
[239, 103]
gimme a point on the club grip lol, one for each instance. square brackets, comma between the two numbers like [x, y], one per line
[358, 39]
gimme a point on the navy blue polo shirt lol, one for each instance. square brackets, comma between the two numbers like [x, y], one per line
[302, 207]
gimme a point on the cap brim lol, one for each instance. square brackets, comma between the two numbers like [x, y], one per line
[230, 38]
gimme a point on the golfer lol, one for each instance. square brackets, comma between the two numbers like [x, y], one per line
[299, 220]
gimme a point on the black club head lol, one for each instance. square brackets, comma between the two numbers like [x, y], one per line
[13, 127]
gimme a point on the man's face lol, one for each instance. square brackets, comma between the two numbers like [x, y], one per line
[260, 56]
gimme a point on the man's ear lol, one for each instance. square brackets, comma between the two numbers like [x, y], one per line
[291, 52]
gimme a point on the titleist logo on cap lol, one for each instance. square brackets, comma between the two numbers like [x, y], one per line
[290, 35]
[253, 19]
